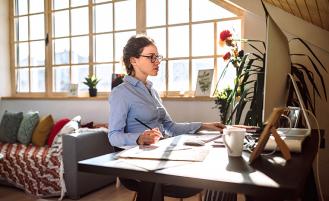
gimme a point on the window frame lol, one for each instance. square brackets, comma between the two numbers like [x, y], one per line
[140, 28]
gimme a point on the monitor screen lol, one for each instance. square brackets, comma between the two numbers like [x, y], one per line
[277, 67]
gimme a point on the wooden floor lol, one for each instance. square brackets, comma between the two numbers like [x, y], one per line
[110, 193]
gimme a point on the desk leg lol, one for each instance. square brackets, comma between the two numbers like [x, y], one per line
[310, 191]
[157, 193]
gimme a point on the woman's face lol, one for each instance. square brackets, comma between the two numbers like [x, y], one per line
[148, 62]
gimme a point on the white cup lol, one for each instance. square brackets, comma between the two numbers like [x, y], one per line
[233, 139]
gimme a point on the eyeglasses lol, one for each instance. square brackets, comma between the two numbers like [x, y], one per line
[153, 57]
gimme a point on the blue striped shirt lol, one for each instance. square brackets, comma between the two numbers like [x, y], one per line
[132, 99]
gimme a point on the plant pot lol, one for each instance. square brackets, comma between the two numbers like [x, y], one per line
[92, 92]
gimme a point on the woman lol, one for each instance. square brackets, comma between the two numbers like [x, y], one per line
[136, 100]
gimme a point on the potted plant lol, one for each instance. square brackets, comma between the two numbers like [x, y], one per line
[249, 82]
[91, 82]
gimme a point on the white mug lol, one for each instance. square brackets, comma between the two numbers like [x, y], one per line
[233, 139]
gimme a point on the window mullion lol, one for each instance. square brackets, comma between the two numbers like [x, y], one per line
[190, 48]
[141, 16]
[167, 52]
[215, 52]
[48, 49]
[91, 53]
[12, 49]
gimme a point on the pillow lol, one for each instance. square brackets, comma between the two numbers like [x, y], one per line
[56, 128]
[41, 132]
[9, 126]
[70, 127]
[25, 131]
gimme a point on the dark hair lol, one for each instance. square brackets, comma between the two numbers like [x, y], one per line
[134, 48]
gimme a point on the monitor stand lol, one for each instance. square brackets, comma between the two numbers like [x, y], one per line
[270, 128]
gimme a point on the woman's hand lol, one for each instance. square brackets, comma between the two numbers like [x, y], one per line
[149, 137]
[213, 126]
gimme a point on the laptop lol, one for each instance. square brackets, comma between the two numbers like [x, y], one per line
[297, 132]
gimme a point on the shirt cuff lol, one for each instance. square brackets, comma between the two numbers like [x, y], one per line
[195, 126]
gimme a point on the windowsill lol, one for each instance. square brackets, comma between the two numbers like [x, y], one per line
[170, 98]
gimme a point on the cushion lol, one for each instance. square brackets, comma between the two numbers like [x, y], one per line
[70, 127]
[56, 128]
[9, 126]
[25, 131]
[41, 132]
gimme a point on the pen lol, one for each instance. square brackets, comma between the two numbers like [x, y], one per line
[143, 124]
[139, 121]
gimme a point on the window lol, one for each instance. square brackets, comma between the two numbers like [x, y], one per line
[59, 42]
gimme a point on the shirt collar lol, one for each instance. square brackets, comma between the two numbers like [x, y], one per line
[133, 81]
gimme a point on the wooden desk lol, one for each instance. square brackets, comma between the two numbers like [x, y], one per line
[270, 177]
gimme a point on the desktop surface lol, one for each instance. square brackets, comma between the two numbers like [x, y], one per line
[270, 177]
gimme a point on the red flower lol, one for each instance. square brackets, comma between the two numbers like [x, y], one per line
[227, 56]
[225, 35]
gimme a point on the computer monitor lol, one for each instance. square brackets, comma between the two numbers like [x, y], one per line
[277, 68]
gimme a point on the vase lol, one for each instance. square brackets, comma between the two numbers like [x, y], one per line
[92, 92]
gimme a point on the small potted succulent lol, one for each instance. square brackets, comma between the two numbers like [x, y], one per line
[91, 82]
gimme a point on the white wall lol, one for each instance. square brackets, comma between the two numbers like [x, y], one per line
[97, 110]
[4, 50]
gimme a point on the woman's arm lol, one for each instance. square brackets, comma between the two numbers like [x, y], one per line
[119, 107]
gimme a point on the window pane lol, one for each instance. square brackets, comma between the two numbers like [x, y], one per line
[21, 7]
[120, 41]
[159, 37]
[178, 41]
[37, 53]
[234, 26]
[203, 39]
[155, 12]
[79, 73]
[120, 68]
[159, 81]
[228, 79]
[37, 30]
[61, 23]
[22, 53]
[21, 29]
[200, 64]
[60, 4]
[125, 15]
[103, 50]
[100, 1]
[36, 6]
[61, 51]
[178, 11]
[38, 79]
[22, 77]
[61, 78]
[178, 77]
[103, 18]
[79, 2]
[213, 11]
[104, 73]
[79, 21]
[80, 49]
